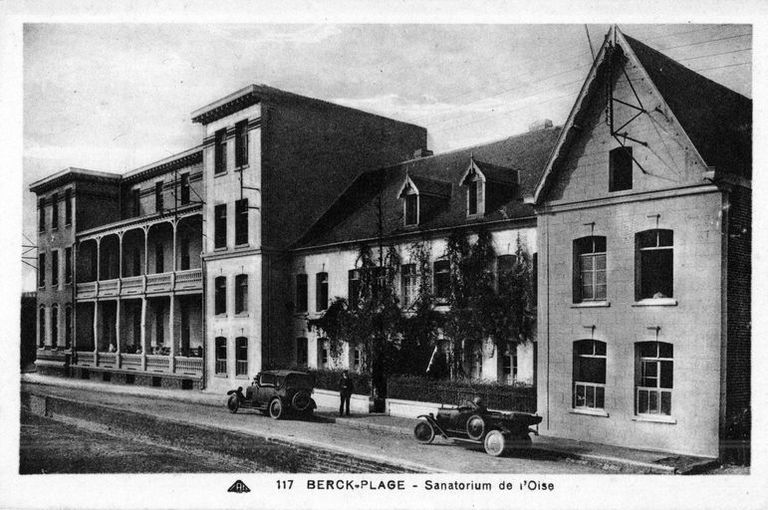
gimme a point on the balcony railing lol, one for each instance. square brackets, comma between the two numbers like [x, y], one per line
[86, 358]
[189, 279]
[132, 285]
[108, 288]
[130, 361]
[190, 366]
[159, 282]
[158, 363]
[86, 290]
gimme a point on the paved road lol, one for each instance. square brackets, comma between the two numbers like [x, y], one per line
[440, 456]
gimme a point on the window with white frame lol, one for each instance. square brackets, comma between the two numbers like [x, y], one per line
[409, 284]
[321, 291]
[221, 355]
[442, 280]
[509, 366]
[411, 204]
[220, 295]
[589, 374]
[654, 378]
[322, 353]
[654, 259]
[353, 287]
[241, 293]
[589, 282]
[357, 359]
[241, 356]
[476, 363]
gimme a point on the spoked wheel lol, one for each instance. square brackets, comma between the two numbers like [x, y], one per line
[423, 432]
[494, 443]
[476, 427]
[276, 409]
[301, 400]
[233, 404]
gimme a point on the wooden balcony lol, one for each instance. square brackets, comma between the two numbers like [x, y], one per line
[130, 361]
[189, 366]
[132, 285]
[159, 282]
[191, 279]
[87, 290]
[109, 288]
[188, 280]
[155, 364]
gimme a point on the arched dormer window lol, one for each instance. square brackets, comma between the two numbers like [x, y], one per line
[421, 197]
[473, 181]
[488, 187]
[409, 194]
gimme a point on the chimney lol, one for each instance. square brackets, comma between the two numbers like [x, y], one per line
[539, 125]
[421, 153]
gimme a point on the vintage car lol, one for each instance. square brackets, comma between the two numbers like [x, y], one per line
[277, 393]
[471, 422]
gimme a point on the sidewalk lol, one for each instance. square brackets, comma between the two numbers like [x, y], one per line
[607, 457]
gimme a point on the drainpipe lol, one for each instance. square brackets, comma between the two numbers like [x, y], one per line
[204, 319]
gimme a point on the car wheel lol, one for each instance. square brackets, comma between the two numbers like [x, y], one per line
[301, 400]
[476, 427]
[423, 432]
[494, 443]
[233, 404]
[276, 409]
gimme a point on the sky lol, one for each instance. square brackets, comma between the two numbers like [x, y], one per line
[113, 97]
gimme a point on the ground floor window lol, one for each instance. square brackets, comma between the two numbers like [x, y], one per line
[221, 355]
[301, 352]
[241, 356]
[589, 374]
[322, 353]
[357, 359]
[476, 368]
[654, 378]
[54, 326]
[509, 363]
[41, 327]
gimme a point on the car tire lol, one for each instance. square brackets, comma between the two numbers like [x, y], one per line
[424, 432]
[233, 404]
[495, 443]
[301, 401]
[476, 427]
[276, 410]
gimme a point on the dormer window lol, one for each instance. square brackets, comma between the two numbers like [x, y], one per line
[412, 209]
[422, 198]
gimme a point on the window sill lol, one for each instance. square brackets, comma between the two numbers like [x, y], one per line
[245, 377]
[590, 412]
[592, 304]
[220, 249]
[220, 316]
[655, 419]
[656, 302]
[219, 174]
[242, 245]
[242, 314]
[221, 376]
[240, 168]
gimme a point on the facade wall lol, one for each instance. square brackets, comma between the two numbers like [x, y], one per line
[338, 262]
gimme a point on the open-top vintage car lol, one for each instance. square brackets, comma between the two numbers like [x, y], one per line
[276, 393]
[471, 422]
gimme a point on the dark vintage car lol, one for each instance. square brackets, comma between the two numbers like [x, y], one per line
[471, 422]
[276, 393]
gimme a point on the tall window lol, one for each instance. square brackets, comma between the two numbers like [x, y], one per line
[409, 284]
[68, 264]
[620, 169]
[136, 201]
[588, 374]
[184, 189]
[241, 293]
[67, 327]
[41, 326]
[220, 295]
[220, 226]
[322, 352]
[472, 197]
[476, 366]
[321, 292]
[509, 366]
[353, 288]
[241, 143]
[184, 253]
[55, 268]
[55, 326]
[357, 359]
[136, 258]
[55, 211]
[654, 378]
[159, 258]
[301, 352]
[41, 215]
[241, 221]
[41, 270]
[241, 356]
[159, 196]
[68, 207]
[301, 293]
[221, 355]
[589, 283]
[220, 151]
[411, 209]
[653, 264]
[442, 272]
[159, 325]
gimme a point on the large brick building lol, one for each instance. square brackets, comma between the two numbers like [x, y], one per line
[200, 269]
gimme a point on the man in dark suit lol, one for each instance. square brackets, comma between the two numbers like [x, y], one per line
[345, 391]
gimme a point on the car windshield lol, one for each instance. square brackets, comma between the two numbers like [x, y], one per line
[300, 380]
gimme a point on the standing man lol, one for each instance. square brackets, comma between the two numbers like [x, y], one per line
[345, 391]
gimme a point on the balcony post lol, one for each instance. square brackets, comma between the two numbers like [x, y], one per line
[144, 333]
[117, 332]
[98, 263]
[119, 262]
[96, 332]
[146, 261]
[172, 333]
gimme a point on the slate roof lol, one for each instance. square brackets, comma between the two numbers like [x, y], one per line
[497, 173]
[354, 215]
[717, 119]
[431, 187]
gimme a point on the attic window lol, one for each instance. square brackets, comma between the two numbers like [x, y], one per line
[412, 209]
[620, 169]
[475, 197]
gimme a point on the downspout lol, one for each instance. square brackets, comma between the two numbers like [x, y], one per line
[548, 313]
[204, 320]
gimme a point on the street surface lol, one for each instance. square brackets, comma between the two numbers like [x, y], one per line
[439, 456]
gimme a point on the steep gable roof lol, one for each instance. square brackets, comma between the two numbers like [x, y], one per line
[354, 216]
[717, 120]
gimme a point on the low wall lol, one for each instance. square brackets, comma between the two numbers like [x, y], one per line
[358, 404]
[409, 408]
